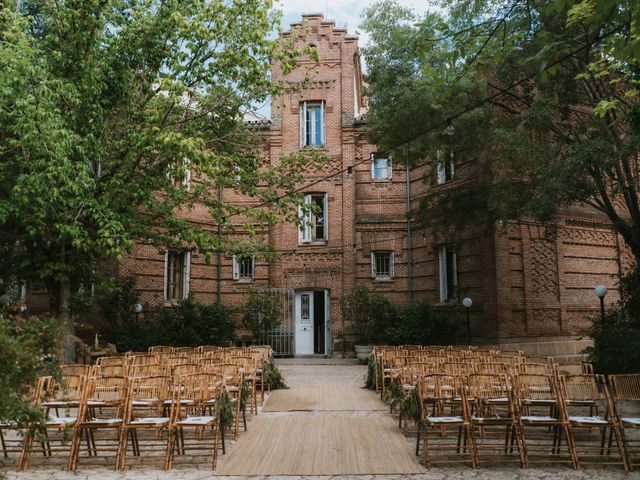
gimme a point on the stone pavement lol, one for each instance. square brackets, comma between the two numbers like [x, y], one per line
[301, 372]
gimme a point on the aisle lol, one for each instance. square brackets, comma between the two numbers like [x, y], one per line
[325, 424]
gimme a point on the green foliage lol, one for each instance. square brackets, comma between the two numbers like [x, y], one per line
[272, 376]
[377, 320]
[366, 310]
[616, 343]
[373, 370]
[225, 410]
[29, 348]
[263, 311]
[616, 339]
[190, 323]
[543, 97]
[106, 106]
[420, 324]
[394, 394]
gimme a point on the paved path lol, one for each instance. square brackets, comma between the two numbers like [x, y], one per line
[298, 374]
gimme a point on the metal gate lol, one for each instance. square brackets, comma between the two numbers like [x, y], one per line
[282, 339]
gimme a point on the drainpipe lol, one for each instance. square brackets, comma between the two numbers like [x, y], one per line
[219, 254]
[409, 242]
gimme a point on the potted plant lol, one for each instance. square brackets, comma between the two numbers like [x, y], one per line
[365, 310]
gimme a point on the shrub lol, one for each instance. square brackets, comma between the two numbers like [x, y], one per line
[616, 343]
[420, 324]
[263, 311]
[191, 323]
[616, 339]
[367, 311]
[28, 349]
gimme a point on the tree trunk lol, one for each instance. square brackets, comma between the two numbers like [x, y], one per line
[60, 307]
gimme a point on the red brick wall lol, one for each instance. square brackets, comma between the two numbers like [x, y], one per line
[522, 284]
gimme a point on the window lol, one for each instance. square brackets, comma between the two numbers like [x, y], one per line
[380, 167]
[314, 218]
[448, 273]
[446, 166]
[17, 291]
[243, 268]
[176, 275]
[181, 177]
[382, 265]
[311, 124]
[305, 306]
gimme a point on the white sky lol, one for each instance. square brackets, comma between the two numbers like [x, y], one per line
[345, 12]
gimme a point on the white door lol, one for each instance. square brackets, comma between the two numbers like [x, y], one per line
[304, 323]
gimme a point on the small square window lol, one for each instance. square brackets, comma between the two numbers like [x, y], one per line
[382, 264]
[243, 268]
[380, 167]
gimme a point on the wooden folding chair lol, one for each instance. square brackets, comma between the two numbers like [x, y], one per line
[100, 419]
[495, 428]
[626, 390]
[544, 426]
[75, 369]
[53, 433]
[144, 428]
[592, 434]
[194, 432]
[160, 349]
[443, 405]
[14, 432]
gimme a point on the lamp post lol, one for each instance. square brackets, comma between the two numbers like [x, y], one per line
[601, 292]
[138, 309]
[466, 303]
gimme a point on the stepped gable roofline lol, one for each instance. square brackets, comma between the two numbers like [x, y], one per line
[323, 21]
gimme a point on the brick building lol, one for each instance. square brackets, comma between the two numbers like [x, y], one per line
[527, 290]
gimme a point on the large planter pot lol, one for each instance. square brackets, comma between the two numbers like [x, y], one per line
[363, 352]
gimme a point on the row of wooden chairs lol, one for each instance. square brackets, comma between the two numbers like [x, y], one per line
[535, 419]
[159, 411]
[511, 407]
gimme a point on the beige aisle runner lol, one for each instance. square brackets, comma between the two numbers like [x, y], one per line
[333, 429]
[321, 445]
[338, 397]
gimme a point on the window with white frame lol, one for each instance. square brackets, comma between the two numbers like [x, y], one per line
[380, 167]
[17, 291]
[448, 265]
[176, 275]
[312, 124]
[181, 175]
[445, 165]
[243, 268]
[382, 265]
[313, 226]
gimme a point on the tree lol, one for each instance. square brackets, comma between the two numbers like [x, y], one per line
[263, 311]
[543, 97]
[28, 348]
[106, 108]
